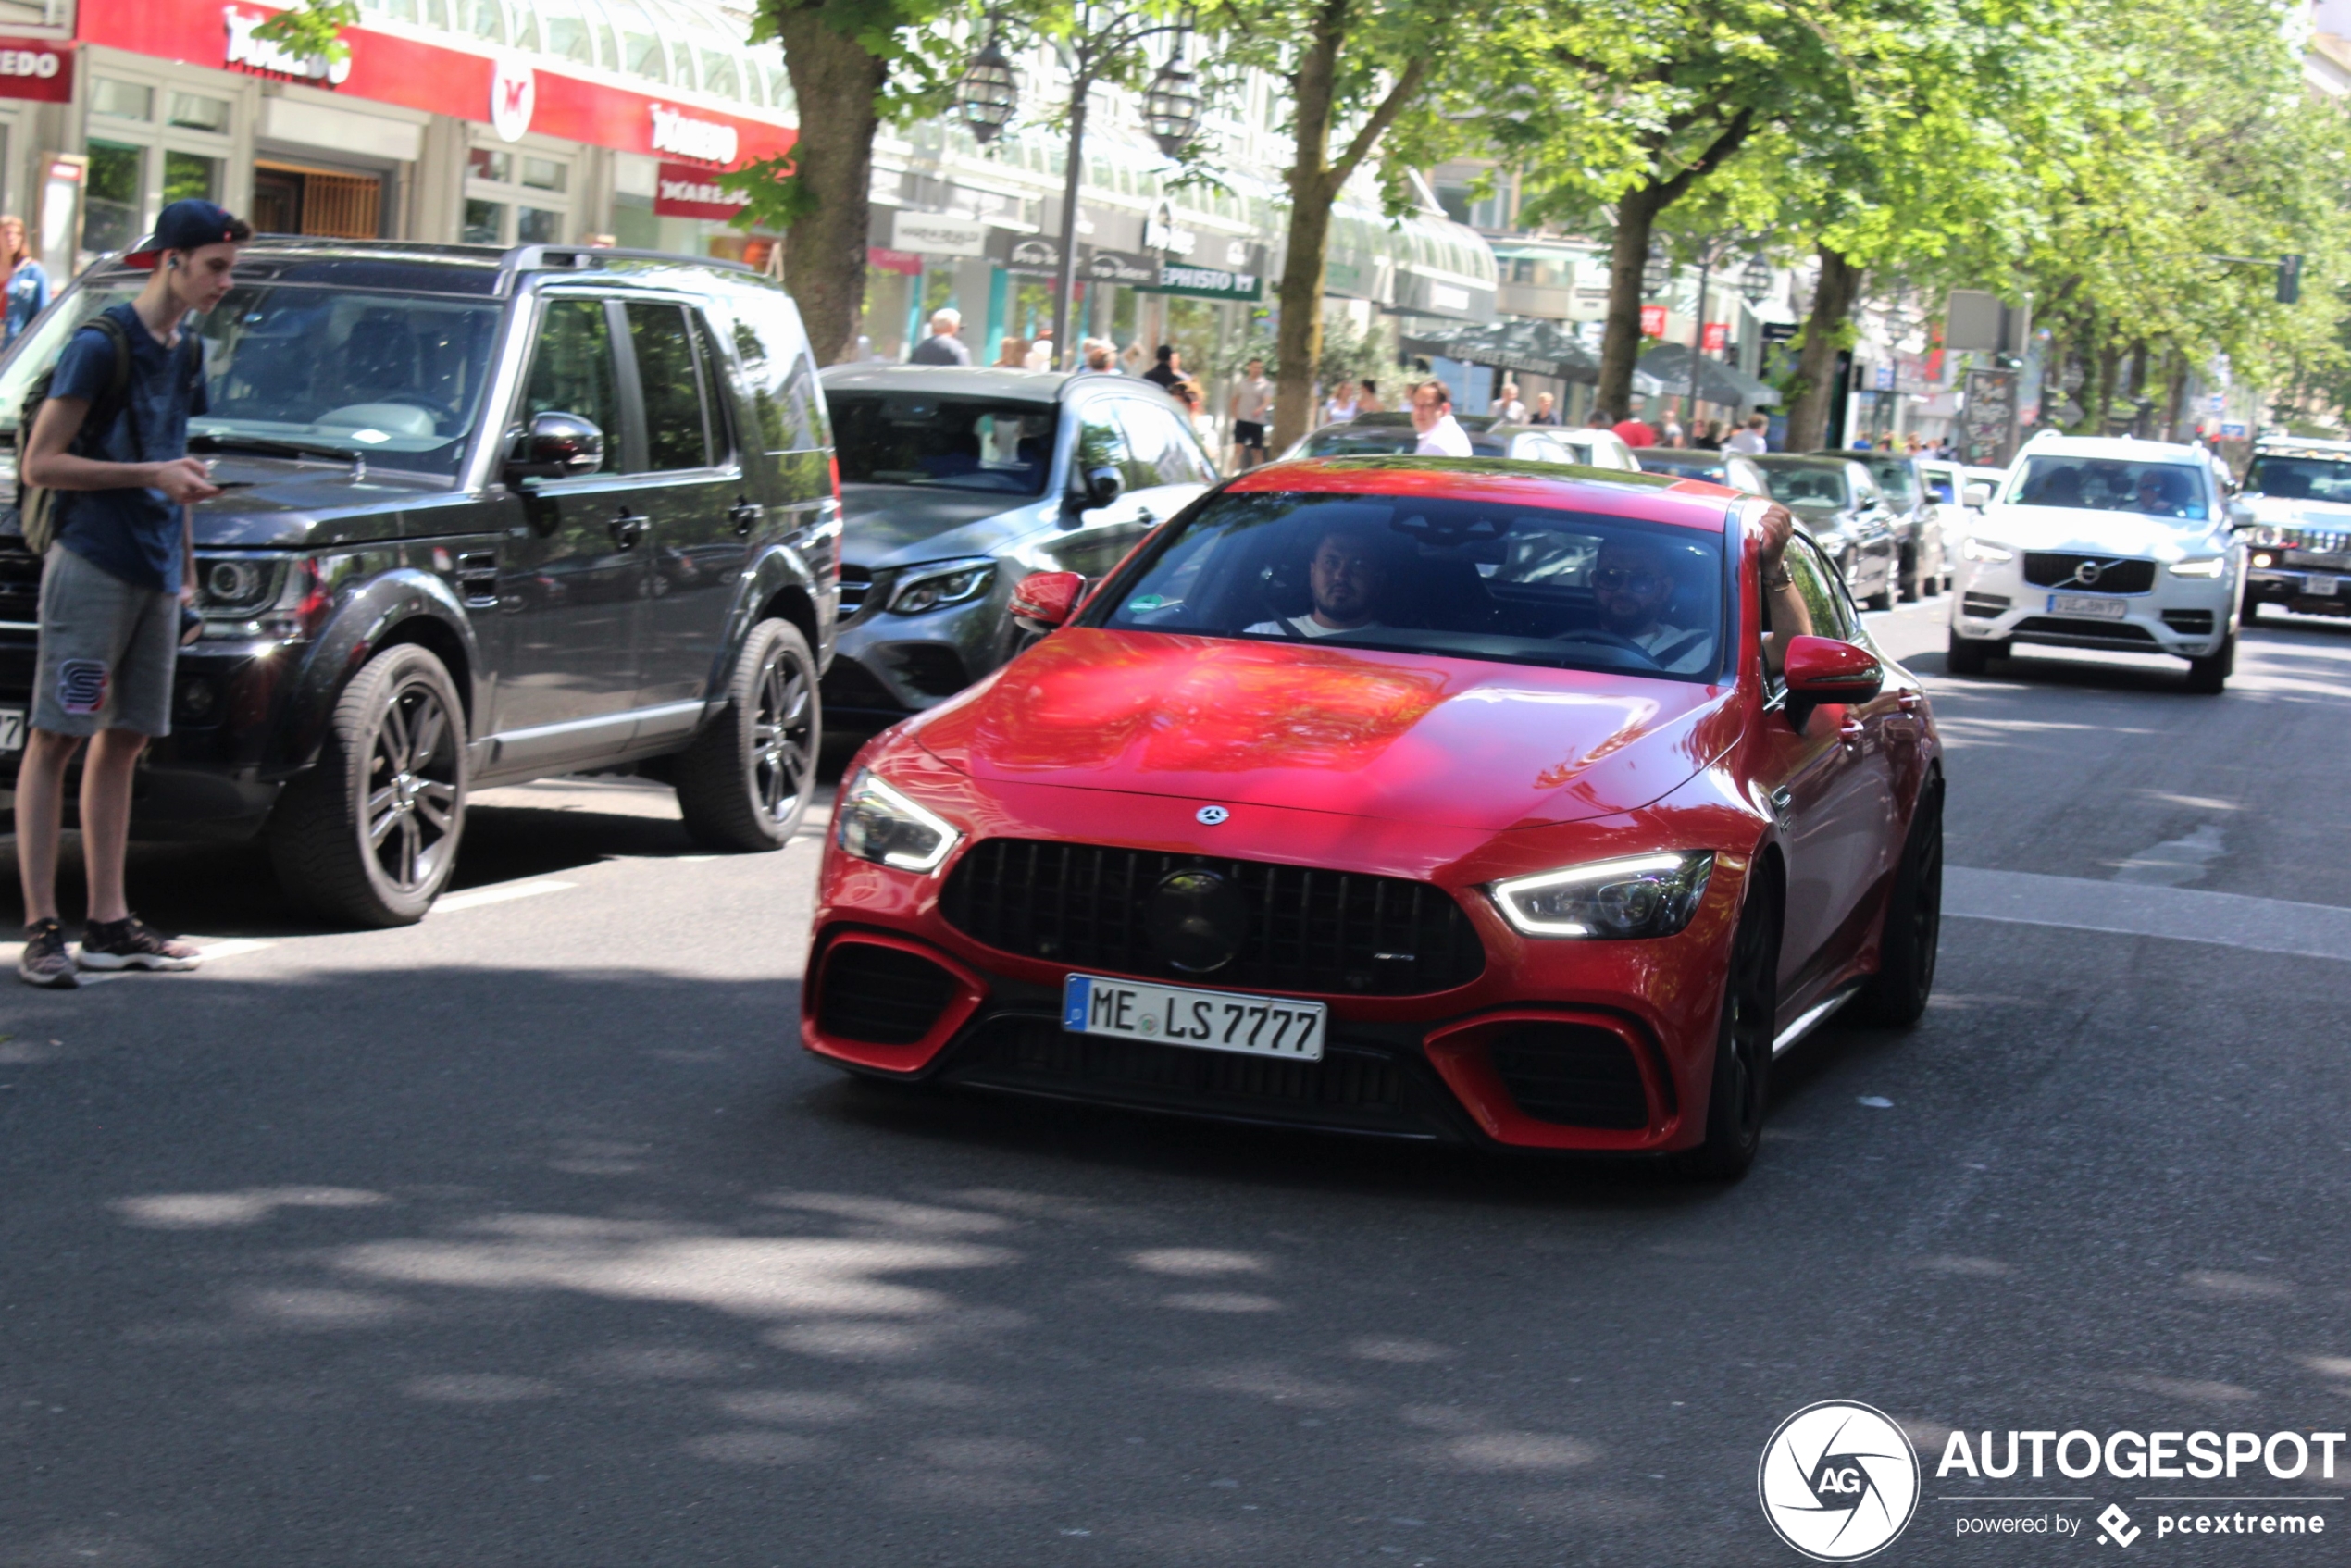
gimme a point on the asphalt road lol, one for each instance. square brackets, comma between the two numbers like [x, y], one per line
[527, 1236]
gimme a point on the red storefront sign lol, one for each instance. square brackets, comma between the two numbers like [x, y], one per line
[513, 93]
[685, 190]
[36, 68]
[1652, 322]
[1717, 338]
[890, 260]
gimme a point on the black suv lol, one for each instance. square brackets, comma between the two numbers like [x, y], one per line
[492, 516]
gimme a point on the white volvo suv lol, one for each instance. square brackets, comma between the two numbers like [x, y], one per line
[2097, 543]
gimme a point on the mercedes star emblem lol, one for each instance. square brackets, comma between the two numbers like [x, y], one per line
[1210, 816]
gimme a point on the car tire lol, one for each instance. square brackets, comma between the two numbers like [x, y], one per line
[1895, 997]
[1910, 588]
[1883, 598]
[1972, 655]
[371, 833]
[2208, 676]
[744, 783]
[1740, 1095]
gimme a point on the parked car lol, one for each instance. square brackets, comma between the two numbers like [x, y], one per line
[958, 483]
[1384, 796]
[2297, 496]
[1918, 537]
[1369, 433]
[1840, 504]
[2099, 543]
[1947, 497]
[1733, 468]
[499, 515]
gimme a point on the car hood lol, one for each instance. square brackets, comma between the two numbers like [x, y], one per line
[2278, 511]
[2077, 530]
[1452, 742]
[894, 524]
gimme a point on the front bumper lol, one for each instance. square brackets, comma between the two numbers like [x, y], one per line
[1601, 1047]
[887, 665]
[2306, 590]
[2186, 618]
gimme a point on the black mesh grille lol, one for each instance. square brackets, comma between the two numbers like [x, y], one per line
[932, 668]
[1573, 1074]
[1990, 605]
[2193, 623]
[855, 583]
[882, 995]
[2047, 569]
[1332, 931]
[1040, 1049]
[2095, 631]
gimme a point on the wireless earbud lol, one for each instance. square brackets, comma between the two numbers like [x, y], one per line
[172, 263]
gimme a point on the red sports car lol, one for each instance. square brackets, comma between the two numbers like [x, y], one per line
[1471, 800]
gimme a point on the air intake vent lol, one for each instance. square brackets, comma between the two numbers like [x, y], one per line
[882, 995]
[1573, 1074]
[855, 583]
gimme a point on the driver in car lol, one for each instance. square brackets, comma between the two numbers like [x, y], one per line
[1344, 577]
[2161, 494]
[1632, 582]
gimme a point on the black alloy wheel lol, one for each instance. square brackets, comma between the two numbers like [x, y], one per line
[744, 783]
[371, 834]
[1742, 1085]
[1895, 997]
[1972, 655]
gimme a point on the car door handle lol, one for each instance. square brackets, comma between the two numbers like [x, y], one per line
[1851, 731]
[1909, 701]
[627, 530]
[745, 516]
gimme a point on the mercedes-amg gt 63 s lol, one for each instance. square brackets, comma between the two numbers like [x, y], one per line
[1450, 800]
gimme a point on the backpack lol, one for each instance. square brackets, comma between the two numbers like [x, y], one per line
[36, 506]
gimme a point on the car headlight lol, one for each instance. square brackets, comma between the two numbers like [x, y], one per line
[948, 582]
[2211, 567]
[878, 824]
[1985, 550]
[1645, 896]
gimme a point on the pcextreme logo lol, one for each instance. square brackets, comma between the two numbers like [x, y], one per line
[1838, 1481]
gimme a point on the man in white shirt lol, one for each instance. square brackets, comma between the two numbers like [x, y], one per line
[1751, 440]
[1252, 408]
[1041, 350]
[1507, 408]
[1345, 578]
[1632, 582]
[1441, 434]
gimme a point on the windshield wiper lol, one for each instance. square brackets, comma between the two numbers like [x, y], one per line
[275, 446]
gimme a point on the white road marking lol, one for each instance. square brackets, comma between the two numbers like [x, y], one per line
[474, 897]
[2175, 860]
[228, 947]
[2186, 915]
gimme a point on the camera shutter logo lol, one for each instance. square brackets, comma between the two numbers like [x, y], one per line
[1838, 1481]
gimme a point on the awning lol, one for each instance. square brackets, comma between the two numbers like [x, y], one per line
[1534, 348]
[1717, 382]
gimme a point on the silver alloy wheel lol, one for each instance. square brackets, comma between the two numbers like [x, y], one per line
[409, 817]
[783, 737]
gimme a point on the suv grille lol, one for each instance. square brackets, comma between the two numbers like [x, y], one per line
[2046, 569]
[855, 583]
[1330, 932]
[20, 581]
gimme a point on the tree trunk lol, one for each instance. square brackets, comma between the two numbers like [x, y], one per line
[2098, 402]
[1297, 343]
[837, 84]
[2175, 393]
[1808, 417]
[1621, 342]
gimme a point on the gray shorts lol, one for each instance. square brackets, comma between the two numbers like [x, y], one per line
[108, 650]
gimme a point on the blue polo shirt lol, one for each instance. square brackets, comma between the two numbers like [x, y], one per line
[131, 534]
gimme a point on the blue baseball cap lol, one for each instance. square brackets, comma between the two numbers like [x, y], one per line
[184, 226]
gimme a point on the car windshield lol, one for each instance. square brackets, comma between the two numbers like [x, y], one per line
[396, 377]
[943, 443]
[1697, 466]
[2106, 484]
[1793, 486]
[2300, 479]
[1469, 579]
[1357, 441]
[1894, 477]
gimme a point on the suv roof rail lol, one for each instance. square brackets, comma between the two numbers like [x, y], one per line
[587, 258]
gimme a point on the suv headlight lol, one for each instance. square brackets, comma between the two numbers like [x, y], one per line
[2211, 567]
[947, 582]
[1645, 896]
[1985, 550]
[878, 824]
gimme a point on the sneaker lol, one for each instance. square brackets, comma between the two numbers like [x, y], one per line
[44, 960]
[128, 943]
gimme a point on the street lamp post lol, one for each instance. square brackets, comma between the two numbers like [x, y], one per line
[1749, 284]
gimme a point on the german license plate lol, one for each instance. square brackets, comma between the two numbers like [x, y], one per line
[2091, 605]
[11, 729]
[2319, 587]
[1252, 1025]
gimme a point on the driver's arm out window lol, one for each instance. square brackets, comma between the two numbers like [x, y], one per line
[1807, 607]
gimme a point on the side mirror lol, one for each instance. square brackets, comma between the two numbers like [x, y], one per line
[1977, 494]
[1102, 486]
[1822, 669]
[2242, 516]
[557, 446]
[1046, 599]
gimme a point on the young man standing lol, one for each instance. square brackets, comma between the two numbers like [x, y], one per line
[1440, 434]
[114, 583]
[1755, 438]
[1252, 408]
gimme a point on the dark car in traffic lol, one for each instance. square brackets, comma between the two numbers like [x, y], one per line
[493, 514]
[1919, 565]
[1840, 505]
[956, 485]
[1371, 435]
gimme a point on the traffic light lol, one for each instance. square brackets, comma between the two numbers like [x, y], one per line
[2289, 279]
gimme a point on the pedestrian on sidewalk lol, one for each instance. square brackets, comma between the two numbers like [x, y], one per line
[111, 440]
[23, 284]
[1752, 441]
[1251, 409]
[1507, 409]
[1441, 434]
[943, 347]
[1168, 370]
[1041, 350]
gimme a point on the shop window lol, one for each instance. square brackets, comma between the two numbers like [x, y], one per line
[118, 177]
[488, 163]
[485, 223]
[190, 177]
[719, 76]
[565, 34]
[121, 100]
[483, 19]
[645, 56]
[537, 226]
[545, 174]
[193, 111]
